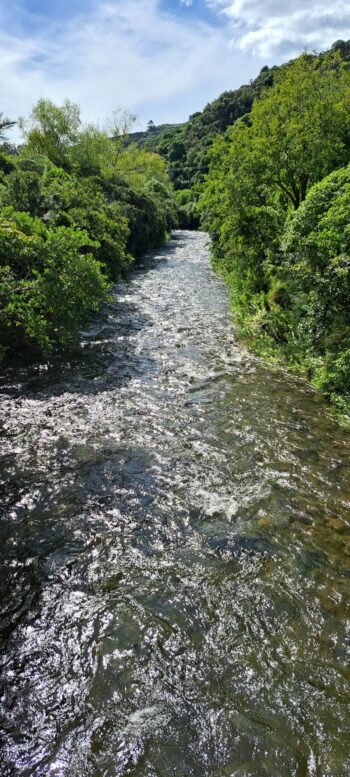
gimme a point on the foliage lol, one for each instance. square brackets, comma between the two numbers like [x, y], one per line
[185, 147]
[51, 130]
[137, 167]
[75, 207]
[301, 127]
[93, 153]
[279, 221]
[297, 132]
[316, 247]
[188, 213]
[50, 282]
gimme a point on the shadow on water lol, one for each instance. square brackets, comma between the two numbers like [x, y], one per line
[104, 361]
[175, 549]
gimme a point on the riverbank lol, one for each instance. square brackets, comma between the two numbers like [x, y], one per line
[276, 202]
[288, 357]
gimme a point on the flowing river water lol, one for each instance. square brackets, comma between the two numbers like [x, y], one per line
[175, 549]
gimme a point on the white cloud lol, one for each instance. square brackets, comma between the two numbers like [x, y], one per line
[284, 27]
[130, 53]
[157, 58]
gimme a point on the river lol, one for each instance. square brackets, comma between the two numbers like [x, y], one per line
[175, 548]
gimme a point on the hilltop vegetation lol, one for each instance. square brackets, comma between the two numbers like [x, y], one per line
[75, 210]
[185, 147]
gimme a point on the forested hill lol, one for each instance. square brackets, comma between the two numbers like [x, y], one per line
[185, 147]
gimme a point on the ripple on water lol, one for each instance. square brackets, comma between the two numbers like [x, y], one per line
[175, 543]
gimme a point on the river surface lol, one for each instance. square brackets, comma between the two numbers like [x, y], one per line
[175, 549]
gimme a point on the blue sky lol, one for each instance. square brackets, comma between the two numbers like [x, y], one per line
[160, 59]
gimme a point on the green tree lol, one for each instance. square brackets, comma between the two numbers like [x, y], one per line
[51, 130]
[75, 208]
[93, 153]
[301, 126]
[5, 125]
[296, 133]
[316, 268]
[49, 282]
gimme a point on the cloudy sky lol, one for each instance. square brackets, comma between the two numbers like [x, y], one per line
[161, 59]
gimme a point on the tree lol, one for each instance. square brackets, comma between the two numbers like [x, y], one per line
[316, 266]
[76, 207]
[297, 132]
[49, 281]
[93, 152]
[52, 130]
[120, 124]
[301, 126]
[5, 125]
[137, 167]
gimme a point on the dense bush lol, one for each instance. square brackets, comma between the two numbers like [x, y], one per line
[75, 209]
[279, 217]
[316, 269]
[50, 282]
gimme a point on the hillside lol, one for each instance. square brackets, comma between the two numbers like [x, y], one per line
[185, 147]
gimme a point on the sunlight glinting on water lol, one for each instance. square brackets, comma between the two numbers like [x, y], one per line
[175, 541]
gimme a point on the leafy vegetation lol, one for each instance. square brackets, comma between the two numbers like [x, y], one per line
[316, 245]
[265, 167]
[75, 209]
[185, 147]
[276, 202]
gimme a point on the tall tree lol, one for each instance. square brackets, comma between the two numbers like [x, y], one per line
[301, 126]
[52, 129]
[297, 132]
[5, 125]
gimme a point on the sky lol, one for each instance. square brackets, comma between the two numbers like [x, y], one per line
[159, 59]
